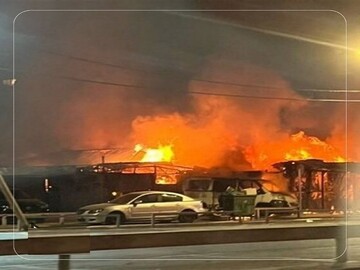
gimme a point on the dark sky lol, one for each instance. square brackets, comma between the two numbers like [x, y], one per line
[94, 72]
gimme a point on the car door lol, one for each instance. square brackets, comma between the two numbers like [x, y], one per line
[144, 206]
[170, 203]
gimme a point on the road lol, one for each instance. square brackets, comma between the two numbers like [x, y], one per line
[306, 254]
[312, 254]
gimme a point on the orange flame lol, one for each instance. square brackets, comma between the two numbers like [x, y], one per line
[298, 146]
[162, 153]
[312, 147]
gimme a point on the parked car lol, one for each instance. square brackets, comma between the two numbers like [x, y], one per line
[138, 206]
[27, 203]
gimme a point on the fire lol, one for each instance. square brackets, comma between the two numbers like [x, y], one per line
[312, 147]
[162, 153]
[298, 146]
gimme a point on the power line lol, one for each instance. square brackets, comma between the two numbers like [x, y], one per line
[352, 91]
[201, 80]
[103, 82]
[204, 93]
[330, 90]
[213, 94]
[204, 80]
[275, 98]
[237, 84]
[278, 88]
[93, 61]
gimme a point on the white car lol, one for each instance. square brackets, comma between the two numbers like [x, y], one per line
[208, 189]
[137, 206]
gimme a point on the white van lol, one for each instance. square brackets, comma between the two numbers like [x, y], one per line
[208, 190]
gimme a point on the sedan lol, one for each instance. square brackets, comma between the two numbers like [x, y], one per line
[142, 205]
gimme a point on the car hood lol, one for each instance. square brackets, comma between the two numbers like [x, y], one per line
[30, 202]
[97, 206]
[283, 193]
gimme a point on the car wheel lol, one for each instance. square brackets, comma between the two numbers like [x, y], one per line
[187, 216]
[112, 218]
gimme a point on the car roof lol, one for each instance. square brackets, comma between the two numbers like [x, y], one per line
[187, 198]
[153, 191]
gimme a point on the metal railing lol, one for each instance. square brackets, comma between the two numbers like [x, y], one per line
[61, 217]
[270, 210]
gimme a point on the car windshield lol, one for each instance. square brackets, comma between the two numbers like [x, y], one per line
[198, 185]
[124, 199]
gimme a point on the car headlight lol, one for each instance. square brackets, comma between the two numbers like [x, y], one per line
[4, 208]
[96, 211]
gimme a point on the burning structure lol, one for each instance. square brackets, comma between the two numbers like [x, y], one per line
[324, 185]
[221, 134]
[218, 107]
[316, 184]
[207, 95]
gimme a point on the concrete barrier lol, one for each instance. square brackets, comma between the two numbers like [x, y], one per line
[67, 244]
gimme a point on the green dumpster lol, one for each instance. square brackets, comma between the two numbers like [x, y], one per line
[244, 205]
[238, 203]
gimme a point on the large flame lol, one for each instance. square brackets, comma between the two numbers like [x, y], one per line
[162, 153]
[298, 146]
[312, 147]
[213, 131]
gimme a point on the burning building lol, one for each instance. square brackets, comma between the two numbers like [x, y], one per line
[324, 185]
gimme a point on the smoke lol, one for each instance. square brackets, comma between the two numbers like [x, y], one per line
[345, 133]
[220, 129]
[67, 114]
[203, 130]
[244, 133]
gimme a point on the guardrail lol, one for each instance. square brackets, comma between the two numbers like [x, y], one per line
[270, 210]
[266, 210]
[176, 215]
[62, 216]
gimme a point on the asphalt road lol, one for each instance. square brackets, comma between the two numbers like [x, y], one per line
[309, 254]
[313, 254]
